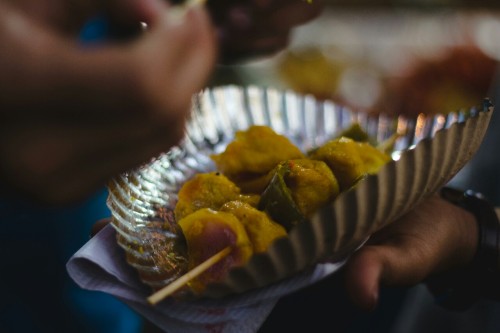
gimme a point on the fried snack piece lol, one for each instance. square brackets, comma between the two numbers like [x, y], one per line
[249, 158]
[261, 229]
[312, 184]
[373, 158]
[298, 189]
[205, 190]
[207, 232]
[349, 160]
[251, 199]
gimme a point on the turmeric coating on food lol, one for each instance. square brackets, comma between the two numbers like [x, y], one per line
[263, 186]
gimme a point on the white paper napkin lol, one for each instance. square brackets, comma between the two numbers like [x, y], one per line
[100, 265]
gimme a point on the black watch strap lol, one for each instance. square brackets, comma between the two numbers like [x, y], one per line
[458, 290]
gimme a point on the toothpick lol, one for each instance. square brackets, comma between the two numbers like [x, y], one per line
[177, 284]
[387, 145]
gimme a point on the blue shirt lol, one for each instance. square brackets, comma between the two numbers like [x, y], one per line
[36, 293]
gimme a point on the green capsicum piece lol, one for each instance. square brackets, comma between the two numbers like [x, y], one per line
[278, 202]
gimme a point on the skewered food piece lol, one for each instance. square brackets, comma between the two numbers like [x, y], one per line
[214, 212]
[249, 158]
[205, 190]
[349, 160]
[207, 232]
[237, 225]
[261, 230]
[312, 184]
[297, 190]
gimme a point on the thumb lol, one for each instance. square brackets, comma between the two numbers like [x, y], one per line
[393, 264]
[362, 274]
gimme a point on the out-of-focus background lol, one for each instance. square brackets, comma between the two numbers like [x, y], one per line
[397, 58]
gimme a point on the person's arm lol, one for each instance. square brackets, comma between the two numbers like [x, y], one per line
[460, 288]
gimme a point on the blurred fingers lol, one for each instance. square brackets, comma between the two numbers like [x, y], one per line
[238, 48]
[89, 175]
[128, 13]
[295, 13]
[260, 27]
[63, 164]
[434, 237]
[375, 266]
[362, 276]
[197, 58]
[175, 58]
[273, 16]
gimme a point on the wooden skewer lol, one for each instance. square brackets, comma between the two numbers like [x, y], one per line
[387, 144]
[174, 286]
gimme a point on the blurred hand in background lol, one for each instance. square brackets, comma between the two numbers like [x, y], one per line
[249, 28]
[74, 115]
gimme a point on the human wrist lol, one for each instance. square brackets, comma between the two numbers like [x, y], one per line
[459, 288]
